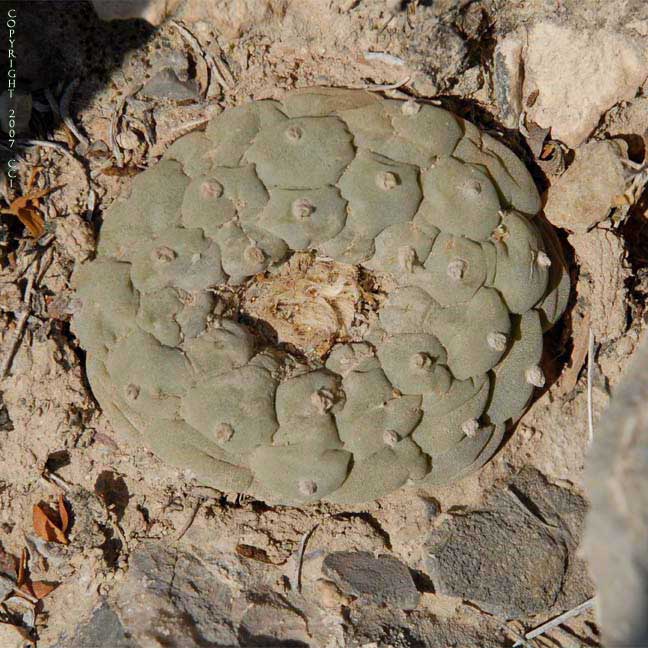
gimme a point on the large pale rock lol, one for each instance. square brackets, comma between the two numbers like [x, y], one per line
[584, 195]
[577, 76]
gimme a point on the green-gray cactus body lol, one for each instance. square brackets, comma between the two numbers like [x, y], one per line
[323, 298]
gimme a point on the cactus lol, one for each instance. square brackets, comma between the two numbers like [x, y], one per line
[323, 298]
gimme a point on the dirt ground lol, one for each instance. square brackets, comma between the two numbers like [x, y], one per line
[525, 71]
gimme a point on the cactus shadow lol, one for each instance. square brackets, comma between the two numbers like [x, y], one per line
[59, 41]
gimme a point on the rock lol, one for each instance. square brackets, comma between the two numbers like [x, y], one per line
[374, 627]
[584, 195]
[165, 84]
[90, 519]
[153, 11]
[171, 594]
[630, 122]
[437, 54]
[173, 59]
[381, 581]
[329, 595]
[508, 78]
[12, 636]
[602, 257]
[273, 624]
[618, 522]
[510, 558]
[103, 629]
[75, 236]
[558, 507]
[572, 76]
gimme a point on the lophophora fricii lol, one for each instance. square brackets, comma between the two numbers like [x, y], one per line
[323, 298]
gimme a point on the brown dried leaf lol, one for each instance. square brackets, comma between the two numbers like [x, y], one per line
[25, 209]
[63, 514]
[32, 220]
[45, 528]
[26, 590]
[41, 589]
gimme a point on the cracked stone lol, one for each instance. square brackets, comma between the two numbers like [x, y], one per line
[165, 84]
[584, 195]
[171, 594]
[102, 629]
[382, 581]
[491, 556]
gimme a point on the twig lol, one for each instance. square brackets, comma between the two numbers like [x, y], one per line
[300, 558]
[386, 23]
[183, 129]
[53, 478]
[61, 148]
[210, 62]
[52, 103]
[350, 4]
[46, 262]
[590, 375]
[198, 51]
[556, 621]
[223, 67]
[190, 521]
[519, 639]
[386, 86]
[66, 99]
[57, 146]
[22, 322]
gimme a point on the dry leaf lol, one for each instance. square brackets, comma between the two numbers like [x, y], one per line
[63, 514]
[26, 590]
[45, 527]
[31, 219]
[25, 208]
[41, 589]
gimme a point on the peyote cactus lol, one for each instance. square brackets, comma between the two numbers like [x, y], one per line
[323, 298]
